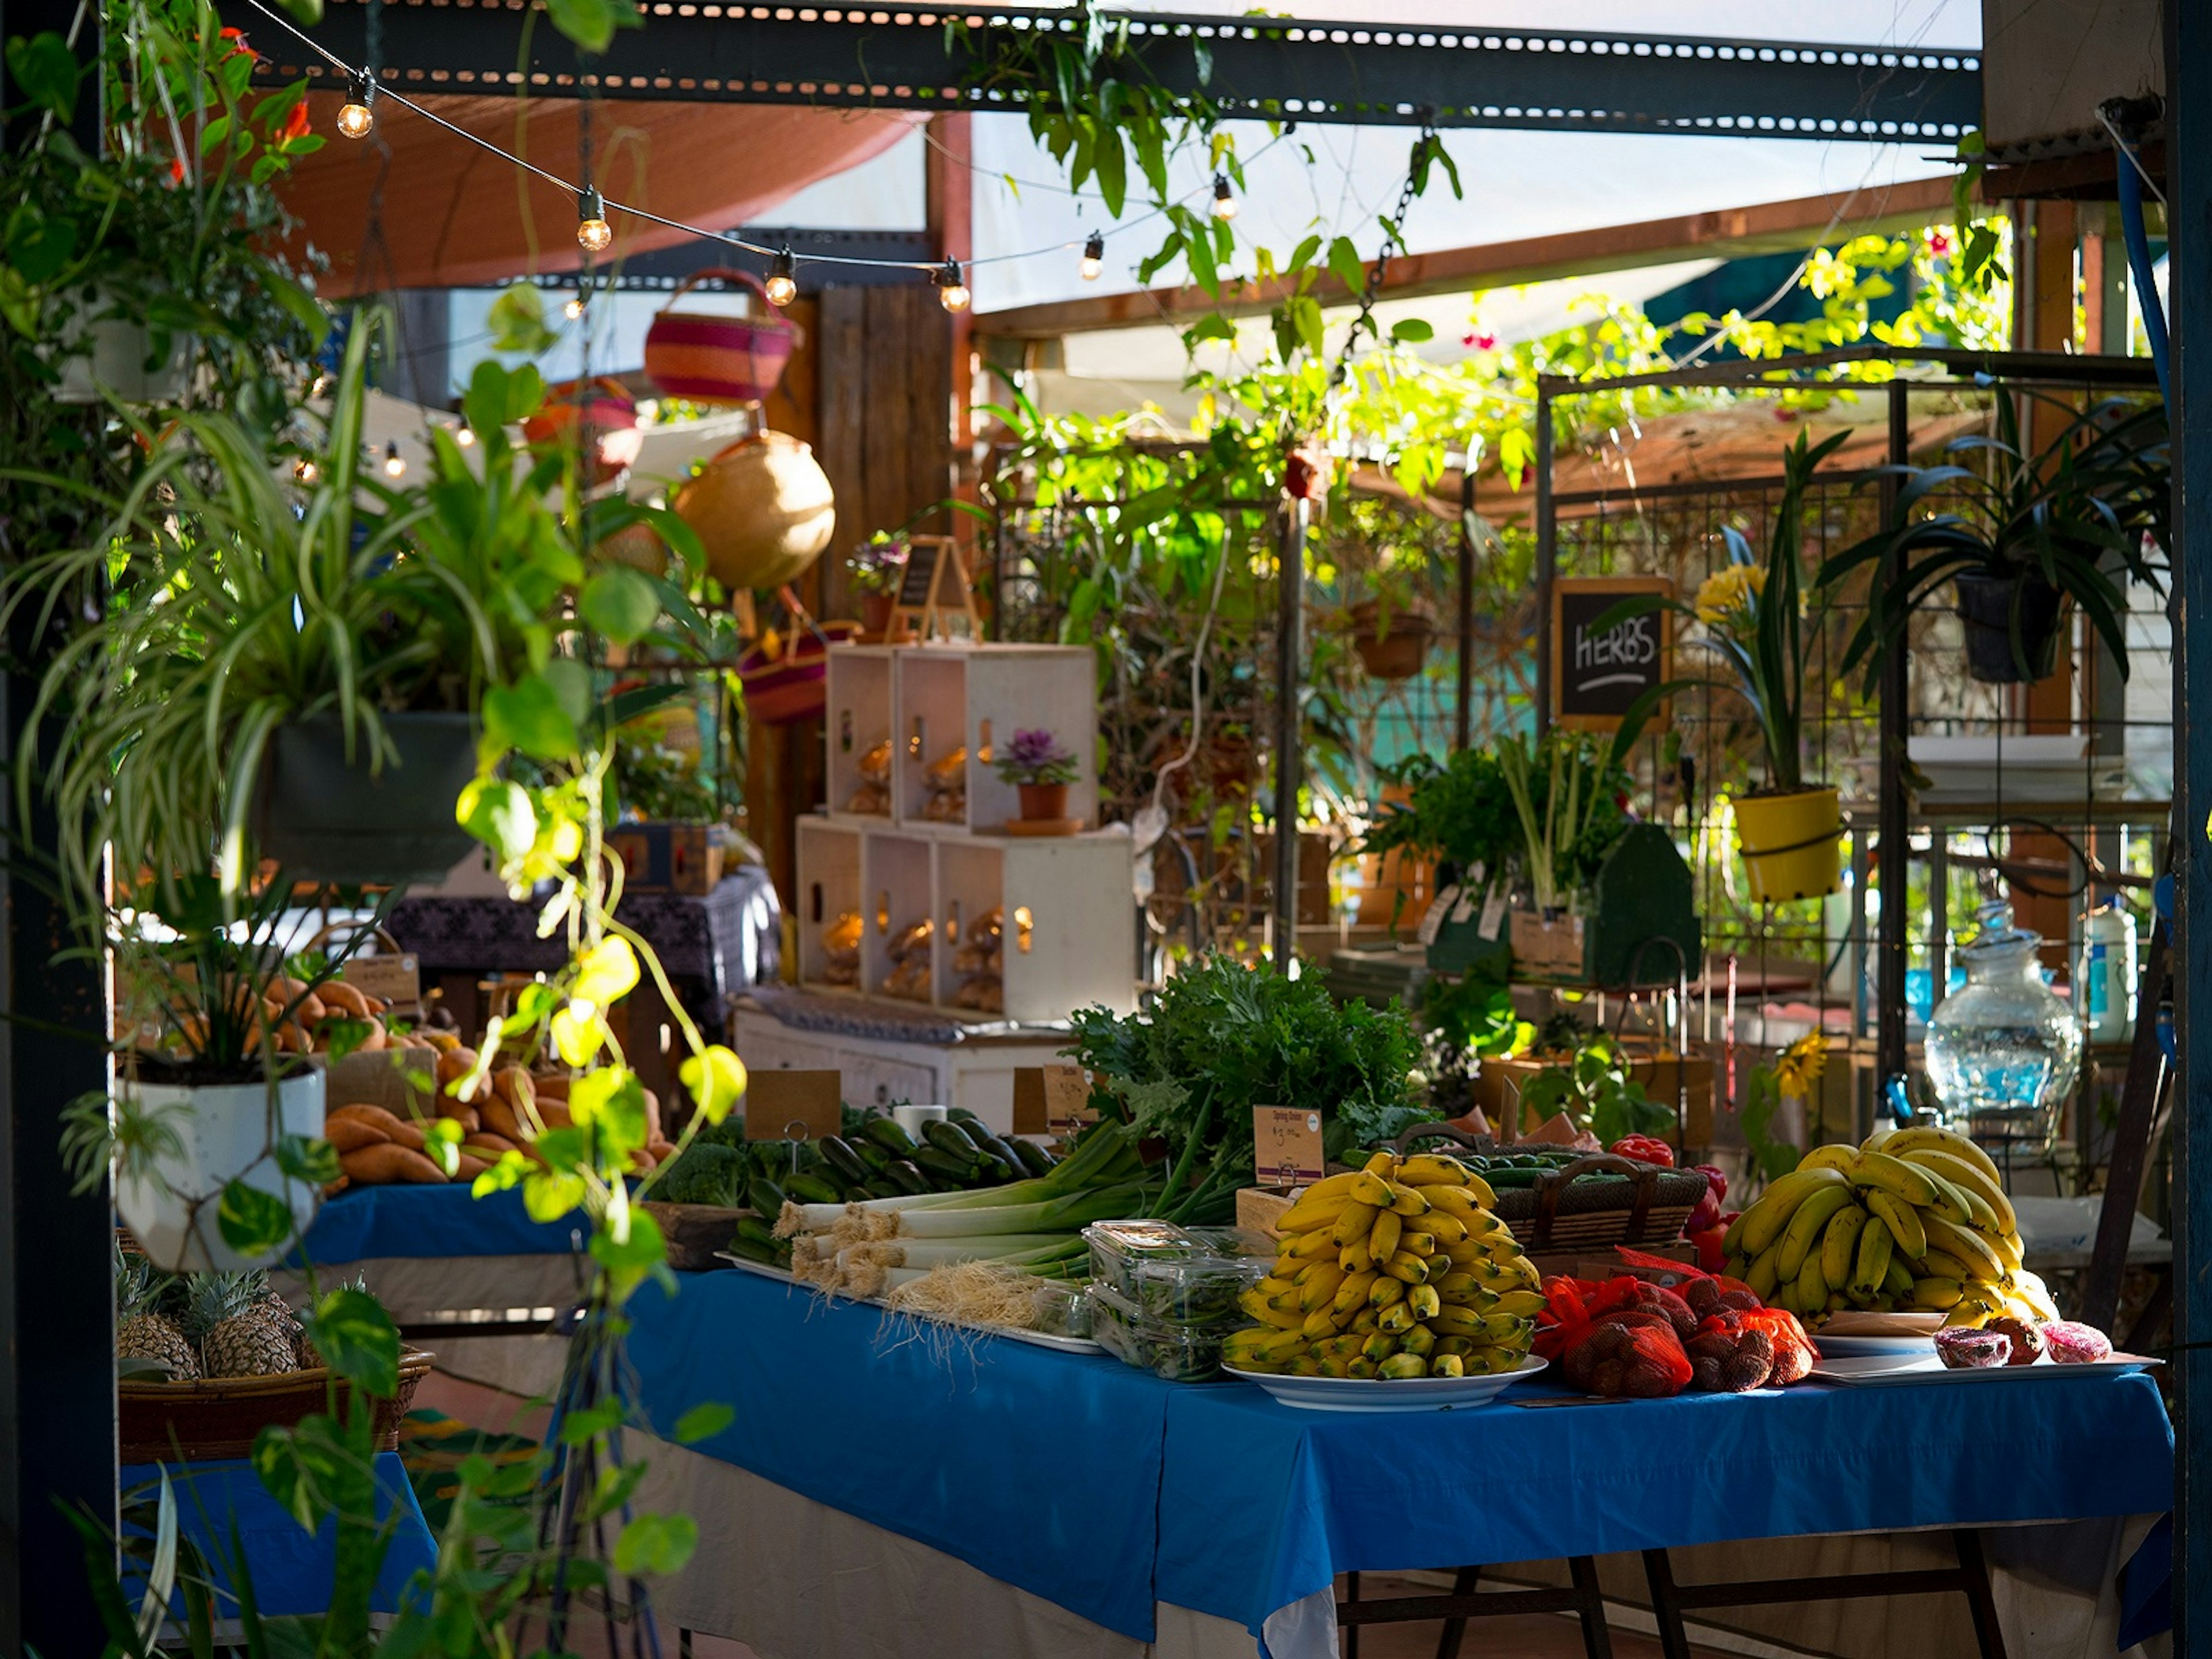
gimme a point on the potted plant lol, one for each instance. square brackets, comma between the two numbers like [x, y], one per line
[874, 572]
[1752, 616]
[1035, 764]
[2031, 536]
[1390, 627]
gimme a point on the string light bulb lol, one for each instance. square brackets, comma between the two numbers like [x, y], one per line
[395, 464]
[782, 285]
[356, 119]
[952, 290]
[1094, 256]
[573, 311]
[1224, 203]
[593, 233]
[466, 437]
[304, 470]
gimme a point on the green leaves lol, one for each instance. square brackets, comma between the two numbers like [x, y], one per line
[528, 715]
[715, 1080]
[620, 602]
[45, 71]
[37, 246]
[357, 1340]
[253, 1221]
[655, 1545]
[703, 1422]
[315, 1163]
[517, 321]
[1411, 331]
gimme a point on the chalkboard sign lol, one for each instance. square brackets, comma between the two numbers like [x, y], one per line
[1598, 675]
[920, 575]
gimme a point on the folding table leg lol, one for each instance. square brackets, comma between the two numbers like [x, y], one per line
[1465, 1582]
[683, 1644]
[1666, 1609]
[1352, 1634]
[1974, 1567]
[1597, 1639]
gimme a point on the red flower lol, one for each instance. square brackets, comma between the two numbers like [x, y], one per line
[1484, 341]
[177, 170]
[1938, 243]
[237, 38]
[296, 124]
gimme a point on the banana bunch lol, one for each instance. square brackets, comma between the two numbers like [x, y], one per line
[1913, 1220]
[1397, 1270]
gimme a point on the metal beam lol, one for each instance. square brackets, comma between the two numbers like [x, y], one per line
[1386, 74]
[1729, 233]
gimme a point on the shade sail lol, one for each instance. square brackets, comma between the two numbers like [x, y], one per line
[416, 206]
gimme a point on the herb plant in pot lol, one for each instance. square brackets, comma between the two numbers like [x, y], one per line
[873, 573]
[1042, 771]
[2033, 537]
[1752, 613]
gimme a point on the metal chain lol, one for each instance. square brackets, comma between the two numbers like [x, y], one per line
[1393, 237]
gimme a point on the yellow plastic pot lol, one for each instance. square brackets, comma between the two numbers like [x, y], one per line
[1791, 844]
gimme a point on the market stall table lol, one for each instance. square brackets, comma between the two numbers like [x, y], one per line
[1115, 1510]
[287, 1566]
[443, 1263]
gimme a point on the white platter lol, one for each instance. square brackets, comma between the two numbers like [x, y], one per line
[1891, 1372]
[1417, 1394]
[781, 1275]
[1907, 1346]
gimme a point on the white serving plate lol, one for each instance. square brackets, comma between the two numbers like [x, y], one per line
[743, 1264]
[1082, 1345]
[1910, 1345]
[1417, 1394]
[1893, 1370]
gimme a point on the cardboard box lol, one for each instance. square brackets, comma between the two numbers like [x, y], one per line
[1552, 949]
[680, 857]
[1497, 1089]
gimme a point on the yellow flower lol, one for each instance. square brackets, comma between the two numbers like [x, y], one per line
[1799, 1066]
[1727, 590]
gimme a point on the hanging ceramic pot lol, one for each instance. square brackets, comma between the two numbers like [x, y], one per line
[221, 1133]
[599, 416]
[762, 509]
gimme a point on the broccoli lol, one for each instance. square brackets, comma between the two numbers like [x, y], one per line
[706, 1174]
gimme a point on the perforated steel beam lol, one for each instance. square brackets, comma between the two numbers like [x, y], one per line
[909, 59]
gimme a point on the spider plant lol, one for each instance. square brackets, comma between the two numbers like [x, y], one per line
[2055, 524]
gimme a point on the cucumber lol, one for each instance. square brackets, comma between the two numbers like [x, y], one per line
[1033, 1158]
[842, 1159]
[858, 1194]
[756, 1228]
[813, 1189]
[764, 1195]
[753, 1250]
[950, 1139]
[872, 1156]
[992, 1146]
[887, 1135]
[883, 1187]
[906, 1177]
[961, 1170]
[961, 1114]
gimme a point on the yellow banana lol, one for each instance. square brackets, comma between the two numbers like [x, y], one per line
[1764, 1275]
[1320, 1325]
[1968, 1312]
[1362, 1368]
[1874, 1247]
[1274, 1288]
[1382, 1163]
[1340, 1347]
[1422, 1245]
[1521, 1304]
[1839, 1244]
[1457, 1346]
[1812, 1289]
[1383, 1237]
[1385, 1291]
[1261, 1343]
[1419, 1341]
[1444, 1226]
[1893, 1175]
[1424, 1301]
[1437, 1267]
[1446, 1365]
[1354, 1257]
[1407, 1201]
[1352, 1293]
[1920, 1136]
[1801, 1236]
[1879, 1140]
[1908, 1232]
[1940, 1264]
[1407, 1267]
[1838, 1156]
[1310, 1213]
[1459, 1286]
[1466, 1253]
[1479, 1190]
[1897, 1281]
[1732, 1239]
[1456, 1322]
[1380, 1347]
[1432, 1169]
[1368, 1188]
[1968, 1178]
[1936, 1295]
[1335, 1186]
[1354, 1222]
[1521, 1270]
[1365, 1320]
[1400, 1366]
[2031, 1287]
[1315, 1246]
[1950, 1202]
[1318, 1286]
[1764, 1222]
[1968, 1246]
[1396, 1320]
[1335, 1367]
[2006, 1246]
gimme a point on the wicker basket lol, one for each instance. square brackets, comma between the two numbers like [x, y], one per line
[1557, 1213]
[220, 1417]
[708, 358]
[695, 1232]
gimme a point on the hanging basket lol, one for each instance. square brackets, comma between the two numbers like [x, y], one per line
[787, 681]
[321, 814]
[706, 357]
[1395, 652]
[762, 509]
[1791, 844]
[599, 415]
[1985, 609]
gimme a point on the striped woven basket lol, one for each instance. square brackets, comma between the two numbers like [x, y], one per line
[708, 358]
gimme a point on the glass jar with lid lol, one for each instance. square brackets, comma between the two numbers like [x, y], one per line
[2003, 1050]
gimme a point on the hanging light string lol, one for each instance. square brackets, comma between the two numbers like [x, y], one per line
[357, 117]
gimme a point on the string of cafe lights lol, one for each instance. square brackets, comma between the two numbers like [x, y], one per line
[356, 119]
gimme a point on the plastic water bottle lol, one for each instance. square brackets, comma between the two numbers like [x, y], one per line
[2106, 983]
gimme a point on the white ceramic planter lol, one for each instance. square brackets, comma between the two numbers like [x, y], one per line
[226, 1133]
[115, 363]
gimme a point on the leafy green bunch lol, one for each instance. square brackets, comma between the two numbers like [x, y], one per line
[1570, 792]
[1221, 1039]
[1463, 811]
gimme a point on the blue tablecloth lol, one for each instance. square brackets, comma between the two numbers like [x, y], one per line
[1262, 1505]
[289, 1567]
[1039, 1468]
[365, 1223]
[1104, 1490]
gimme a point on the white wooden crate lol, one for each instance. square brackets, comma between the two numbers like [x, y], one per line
[857, 716]
[976, 697]
[1068, 936]
[829, 880]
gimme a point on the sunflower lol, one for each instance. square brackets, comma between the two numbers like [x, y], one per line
[1799, 1066]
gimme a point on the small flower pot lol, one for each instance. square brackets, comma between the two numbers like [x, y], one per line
[1042, 802]
[1985, 609]
[1791, 844]
[106, 354]
[876, 612]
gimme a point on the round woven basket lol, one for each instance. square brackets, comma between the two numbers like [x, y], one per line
[220, 1417]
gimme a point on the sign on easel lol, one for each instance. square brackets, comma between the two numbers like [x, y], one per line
[1598, 673]
[932, 589]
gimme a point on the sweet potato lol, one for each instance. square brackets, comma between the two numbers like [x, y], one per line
[466, 1168]
[388, 1164]
[343, 1001]
[351, 1134]
[397, 1130]
[550, 1085]
[376, 1039]
[496, 1115]
[466, 1116]
[453, 1064]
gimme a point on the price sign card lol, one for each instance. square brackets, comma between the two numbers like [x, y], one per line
[1286, 1146]
[794, 1105]
[395, 980]
[1432, 919]
[1052, 1100]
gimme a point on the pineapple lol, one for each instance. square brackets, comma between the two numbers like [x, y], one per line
[242, 1329]
[142, 1331]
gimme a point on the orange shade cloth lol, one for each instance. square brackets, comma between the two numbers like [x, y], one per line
[454, 216]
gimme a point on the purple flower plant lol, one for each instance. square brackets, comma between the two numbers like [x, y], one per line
[1036, 757]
